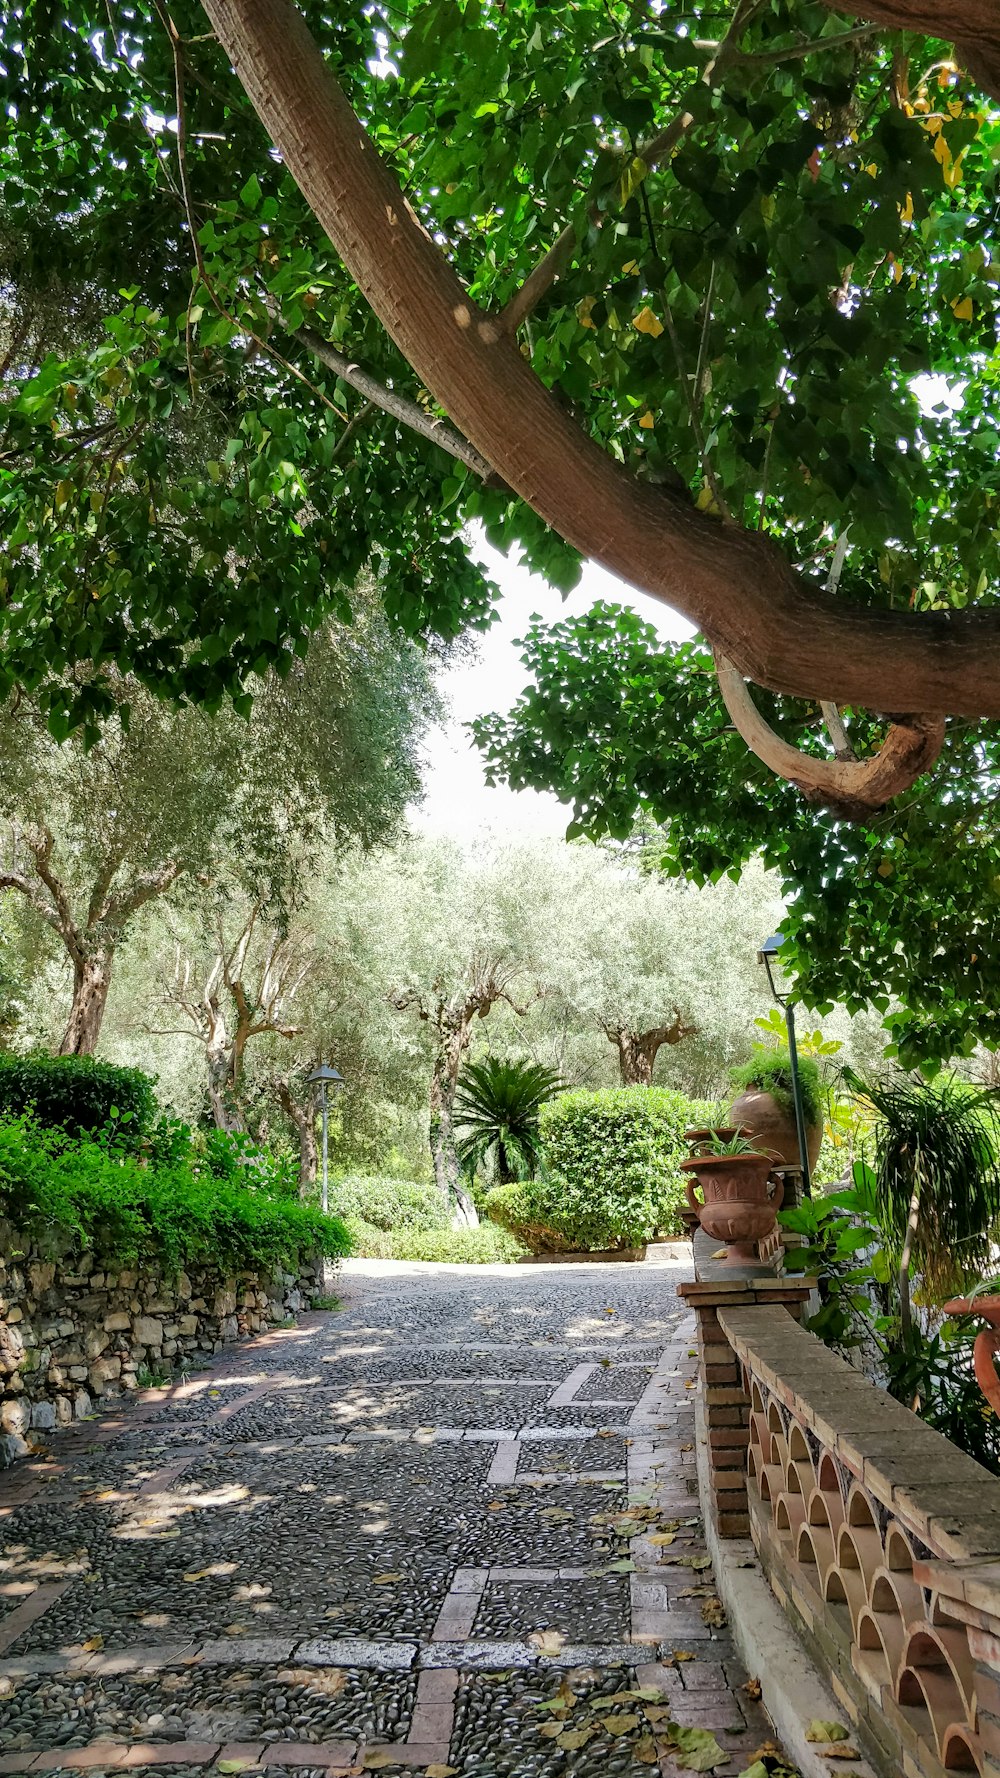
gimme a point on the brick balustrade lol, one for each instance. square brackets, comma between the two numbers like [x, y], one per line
[880, 1539]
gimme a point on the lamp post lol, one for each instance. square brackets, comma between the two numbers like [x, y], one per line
[770, 955]
[324, 1076]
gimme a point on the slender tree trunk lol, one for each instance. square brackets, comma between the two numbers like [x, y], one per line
[905, 1308]
[444, 1082]
[304, 1119]
[226, 1111]
[91, 982]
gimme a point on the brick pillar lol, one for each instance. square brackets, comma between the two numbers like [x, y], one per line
[720, 1284]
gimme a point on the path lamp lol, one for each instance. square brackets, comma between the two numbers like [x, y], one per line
[770, 955]
[324, 1076]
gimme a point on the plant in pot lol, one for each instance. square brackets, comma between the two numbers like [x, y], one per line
[734, 1176]
[766, 1105]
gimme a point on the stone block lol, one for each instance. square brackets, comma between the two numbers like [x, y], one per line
[118, 1322]
[147, 1331]
[15, 1417]
[42, 1276]
[43, 1416]
[95, 1342]
[11, 1447]
[82, 1405]
[187, 1325]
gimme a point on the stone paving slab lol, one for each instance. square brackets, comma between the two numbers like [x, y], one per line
[288, 1562]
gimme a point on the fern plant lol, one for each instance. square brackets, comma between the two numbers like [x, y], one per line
[496, 1114]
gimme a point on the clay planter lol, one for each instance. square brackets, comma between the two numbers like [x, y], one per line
[699, 1140]
[987, 1342]
[737, 1208]
[773, 1128]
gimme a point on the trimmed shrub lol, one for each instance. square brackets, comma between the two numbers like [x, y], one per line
[386, 1203]
[177, 1211]
[472, 1247]
[611, 1174]
[80, 1095]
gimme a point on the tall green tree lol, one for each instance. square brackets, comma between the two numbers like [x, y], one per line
[166, 798]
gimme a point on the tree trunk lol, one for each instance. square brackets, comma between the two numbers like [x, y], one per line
[638, 1050]
[91, 981]
[226, 1111]
[304, 1119]
[635, 1058]
[776, 625]
[444, 1083]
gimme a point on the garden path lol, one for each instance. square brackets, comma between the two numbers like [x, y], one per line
[453, 1527]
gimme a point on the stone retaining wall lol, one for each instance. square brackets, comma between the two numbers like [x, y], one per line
[75, 1328]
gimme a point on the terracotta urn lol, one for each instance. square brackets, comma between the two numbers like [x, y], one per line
[773, 1128]
[736, 1207]
[987, 1342]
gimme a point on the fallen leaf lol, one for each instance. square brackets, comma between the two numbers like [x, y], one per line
[685, 1447]
[657, 1712]
[571, 1739]
[697, 1562]
[199, 1574]
[92, 1645]
[385, 1580]
[696, 1750]
[329, 1682]
[713, 1613]
[564, 1699]
[235, 1630]
[495, 1506]
[620, 1568]
[550, 1730]
[555, 1512]
[440, 1771]
[644, 1751]
[683, 1654]
[839, 1750]
[752, 1688]
[547, 1642]
[620, 1723]
[662, 1538]
[234, 1765]
[374, 1758]
[821, 1731]
[697, 1593]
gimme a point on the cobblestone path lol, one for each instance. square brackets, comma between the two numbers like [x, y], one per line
[452, 1527]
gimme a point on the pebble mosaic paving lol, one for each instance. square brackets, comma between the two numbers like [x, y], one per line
[451, 1528]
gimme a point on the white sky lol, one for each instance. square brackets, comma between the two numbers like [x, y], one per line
[457, 799]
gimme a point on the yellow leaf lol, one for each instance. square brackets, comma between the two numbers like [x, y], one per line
[621, 1723]
[583, 309]
[64, 493]
[647, 322]
[631, 265]
[843, 1750]
[822, 1732]
[385, 1580]
[645, 1751]
[547, 1642]
[647, 421]
[906, 210]
[706, 502]
[199, 1574]
[632, 178]
[376, 1757]
[662, 1537]
[963, 310]
[683, 1654]
[93, 1644]
[956, 107]
[440, 1771]
[871, 170]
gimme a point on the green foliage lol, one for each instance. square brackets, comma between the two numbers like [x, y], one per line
[610, 1174]
[384, 1203]
[484, 1246]
[771, 1072]
[926, 1367]
[177, 1212]
[936, 1172]
[496, 1108]
[80, 1095]
[727, 1145]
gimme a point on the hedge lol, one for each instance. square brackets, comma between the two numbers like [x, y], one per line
[610, 1173]
[383, 1202]
[79, 1094]
[179, 1211]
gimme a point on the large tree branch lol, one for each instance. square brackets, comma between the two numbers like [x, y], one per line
[852, 788]
[972, 25]
[780, 629]
[146, 888]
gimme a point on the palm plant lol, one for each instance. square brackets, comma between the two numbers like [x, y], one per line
[937, 1179]
[496, 1112]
